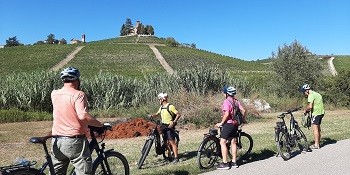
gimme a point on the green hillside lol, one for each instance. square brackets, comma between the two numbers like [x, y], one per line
[125, 56]
[32, 58]
[130, 76]
[342, 63]
[131, 60]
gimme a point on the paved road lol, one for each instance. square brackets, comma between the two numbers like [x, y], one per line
[330, 159]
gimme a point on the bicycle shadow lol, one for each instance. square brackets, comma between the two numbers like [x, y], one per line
[187, 155]
[161, 162]
[252, 157]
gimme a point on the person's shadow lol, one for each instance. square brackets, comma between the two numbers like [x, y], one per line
[327, 141]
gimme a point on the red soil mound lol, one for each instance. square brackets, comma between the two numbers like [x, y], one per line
[131, 128]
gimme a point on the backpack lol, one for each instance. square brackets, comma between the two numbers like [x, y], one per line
[173, 115]
[238, 116]
[306, 120]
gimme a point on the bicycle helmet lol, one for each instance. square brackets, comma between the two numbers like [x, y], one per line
[231, 91]
[70, 74]
[304, 88]
[162, 96]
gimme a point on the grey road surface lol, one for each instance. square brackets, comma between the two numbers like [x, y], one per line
[330, 159]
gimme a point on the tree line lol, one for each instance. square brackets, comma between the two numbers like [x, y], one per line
[13, 41]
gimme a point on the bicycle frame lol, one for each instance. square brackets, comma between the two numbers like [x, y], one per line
[161, 146]
[288, 138]
[94, 145]
[216, 137]
[282, 127]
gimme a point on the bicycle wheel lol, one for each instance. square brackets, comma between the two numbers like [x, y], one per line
[116, 162]
[283, 146]
[301, 140]
[145, 150]
[244, 146]
[25, 171]
[168, 153]
[208, 152]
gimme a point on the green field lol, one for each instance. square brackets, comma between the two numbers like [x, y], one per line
[32, 58]
[342, 63]
[15, 143]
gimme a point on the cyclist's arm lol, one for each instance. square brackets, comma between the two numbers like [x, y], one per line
[178, 115]
[157, 113]
[224, 118]
[82, 111]
[244, 112]
[310, 100]
[308, 108]
[86, 117]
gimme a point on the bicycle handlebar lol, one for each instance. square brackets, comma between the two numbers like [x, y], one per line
[149, 117]
[101, 130]
[290, 111]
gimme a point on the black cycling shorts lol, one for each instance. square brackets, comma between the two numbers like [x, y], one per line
[168, 133]
[316, 120]
[229, 130]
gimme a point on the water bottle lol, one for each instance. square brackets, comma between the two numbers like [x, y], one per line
[22, 161]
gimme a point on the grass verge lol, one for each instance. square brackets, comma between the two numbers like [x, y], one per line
[14, 142]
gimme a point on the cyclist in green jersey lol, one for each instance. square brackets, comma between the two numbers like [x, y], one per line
[315, 106]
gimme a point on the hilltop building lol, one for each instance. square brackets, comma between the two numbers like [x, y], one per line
[76, 41]
[134, 30]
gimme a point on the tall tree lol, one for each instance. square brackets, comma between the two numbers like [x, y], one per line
[63, 41]
[123, 30]
[149, 30]
[295, 65]
[12, 41]
[50, 39]
[128, 25]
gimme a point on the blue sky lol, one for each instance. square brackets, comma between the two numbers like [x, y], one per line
[249, 29]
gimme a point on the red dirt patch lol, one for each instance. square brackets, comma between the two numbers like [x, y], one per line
[131, 128]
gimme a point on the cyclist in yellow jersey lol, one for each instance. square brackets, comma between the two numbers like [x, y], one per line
[315, 106]
[169, 116]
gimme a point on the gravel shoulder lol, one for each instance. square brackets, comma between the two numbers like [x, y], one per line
[330, 159]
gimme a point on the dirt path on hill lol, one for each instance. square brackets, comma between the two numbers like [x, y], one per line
[331, 66]
[161, 58]
[66, 60]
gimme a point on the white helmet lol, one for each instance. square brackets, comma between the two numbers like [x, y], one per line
[304, 88]
[162, 96]
[70, 74]
[231, 91]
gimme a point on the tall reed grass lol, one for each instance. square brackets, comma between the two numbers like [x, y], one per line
[31, 91]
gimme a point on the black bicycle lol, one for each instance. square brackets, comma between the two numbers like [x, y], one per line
[107, 162]
[210, 150]
[162, 146]
[289, 139]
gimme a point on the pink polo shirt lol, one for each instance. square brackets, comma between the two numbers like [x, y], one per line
[227, 106]
[69, 109]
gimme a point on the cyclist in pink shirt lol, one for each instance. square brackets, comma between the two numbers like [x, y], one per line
[70, 124]
[229, 127]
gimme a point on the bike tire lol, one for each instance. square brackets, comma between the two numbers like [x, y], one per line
[208, 152]
[245, 146]
[25, 171]
[144, 152]
[116, 162]
[283, 147]
[301, 140]
[168, 153]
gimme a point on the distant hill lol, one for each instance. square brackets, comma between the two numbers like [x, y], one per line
[127, 56]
